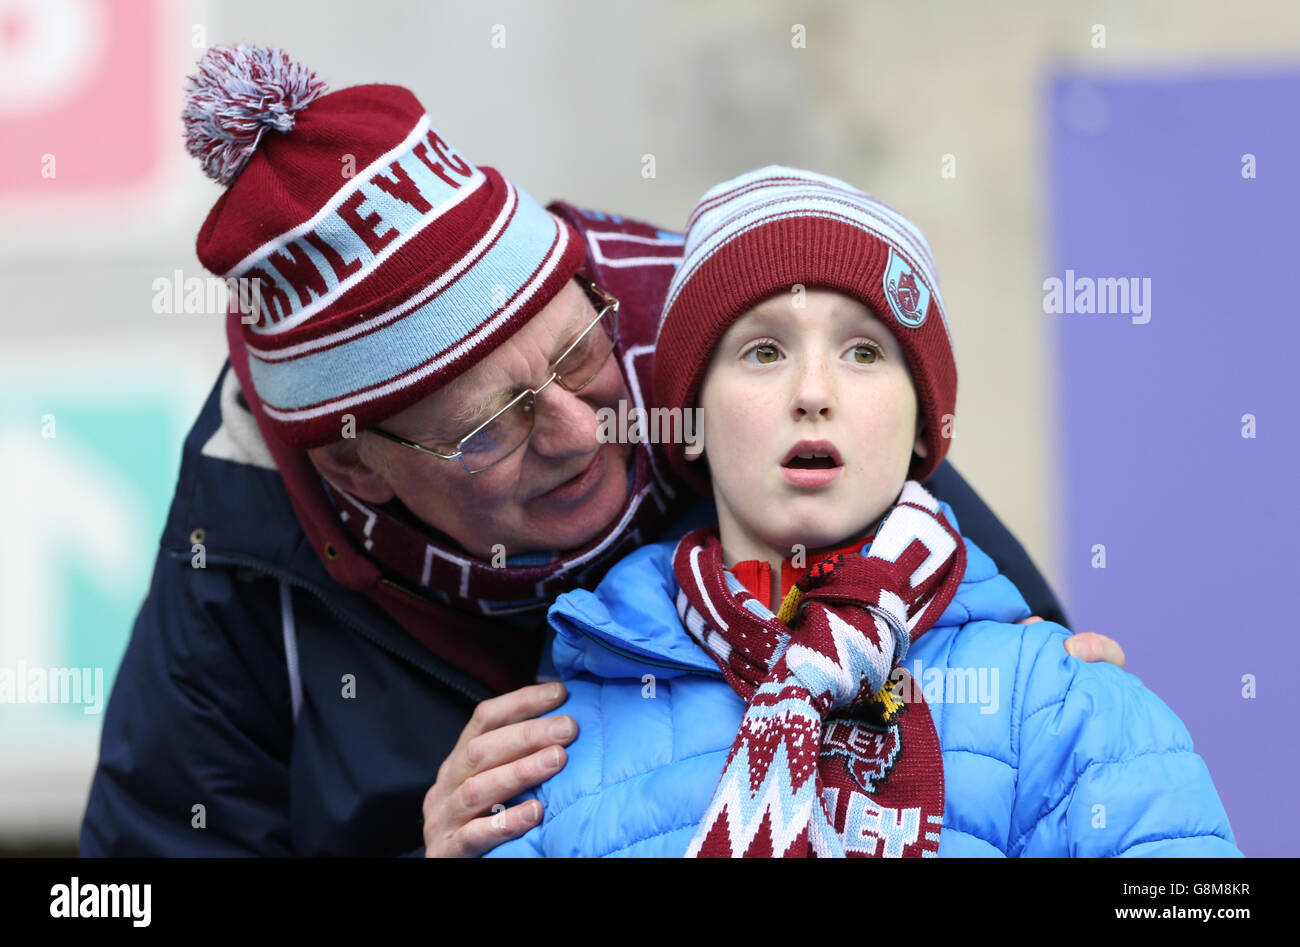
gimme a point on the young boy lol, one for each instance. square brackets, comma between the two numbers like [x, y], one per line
[834, 670]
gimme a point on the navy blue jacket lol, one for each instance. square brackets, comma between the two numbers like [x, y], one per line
[203, 709]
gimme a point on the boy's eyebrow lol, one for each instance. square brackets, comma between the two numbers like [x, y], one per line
[763, 316]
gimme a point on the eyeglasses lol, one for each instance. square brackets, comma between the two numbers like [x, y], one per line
[510, 428]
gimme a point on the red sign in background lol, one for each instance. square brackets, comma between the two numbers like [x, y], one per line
[80, 82]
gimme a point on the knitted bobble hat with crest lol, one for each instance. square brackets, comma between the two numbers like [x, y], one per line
[772, 229]
[382, 264]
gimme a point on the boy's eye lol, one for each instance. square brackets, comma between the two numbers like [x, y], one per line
[865, 354]
[764, 354]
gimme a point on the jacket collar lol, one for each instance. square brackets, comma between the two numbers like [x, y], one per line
[229, 495]
[631, 619]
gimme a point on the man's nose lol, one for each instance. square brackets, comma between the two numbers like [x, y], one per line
[564, 425]
[814, 390]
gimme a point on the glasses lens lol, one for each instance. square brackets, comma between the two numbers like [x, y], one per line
[580, 366]
[499, 439]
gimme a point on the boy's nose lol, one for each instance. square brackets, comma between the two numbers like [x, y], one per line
[813, 393]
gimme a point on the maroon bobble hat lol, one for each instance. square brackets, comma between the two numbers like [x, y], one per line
[386, 264]
[768, 230]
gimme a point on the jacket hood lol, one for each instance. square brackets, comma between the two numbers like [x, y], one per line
[631, 619]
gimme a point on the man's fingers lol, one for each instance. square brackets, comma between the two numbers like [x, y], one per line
[479, 793]
[482, 835]
[1108, 650]
[492, 714]
[512, 707]
[501, 752]
[509, 743]
[1092, 647]
[1089, 646]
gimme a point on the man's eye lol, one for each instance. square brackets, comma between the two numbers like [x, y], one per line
[765, 354]
[492, 436]
[866, 354]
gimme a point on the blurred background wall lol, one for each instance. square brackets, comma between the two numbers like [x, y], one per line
[969, 118]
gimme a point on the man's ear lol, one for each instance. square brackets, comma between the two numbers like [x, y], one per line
[922, 449]
[341, 464]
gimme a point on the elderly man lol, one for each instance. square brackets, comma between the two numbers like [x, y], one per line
[343, 648]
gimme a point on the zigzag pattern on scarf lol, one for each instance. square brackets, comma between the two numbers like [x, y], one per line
[774, 816]
[826, 761]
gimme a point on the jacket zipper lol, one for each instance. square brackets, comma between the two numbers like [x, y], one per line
[257, 566]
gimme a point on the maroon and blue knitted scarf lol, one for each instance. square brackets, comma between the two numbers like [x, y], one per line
[828, 761]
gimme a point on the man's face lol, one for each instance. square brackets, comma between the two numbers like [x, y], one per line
[826, 379]
[558, 491]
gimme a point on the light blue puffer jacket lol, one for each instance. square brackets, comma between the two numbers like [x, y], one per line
[1051, 756]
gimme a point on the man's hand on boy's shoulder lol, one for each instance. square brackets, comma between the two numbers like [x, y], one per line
[507, 748]
[1089, 646]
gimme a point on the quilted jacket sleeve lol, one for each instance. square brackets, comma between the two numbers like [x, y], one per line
[200, 715]
[1105, 767]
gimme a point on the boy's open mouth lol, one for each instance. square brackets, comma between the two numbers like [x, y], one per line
[812, 455]
[811, 462]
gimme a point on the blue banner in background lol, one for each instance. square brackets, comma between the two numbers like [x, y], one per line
[1172, 288]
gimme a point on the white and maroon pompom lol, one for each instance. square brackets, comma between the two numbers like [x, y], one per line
[236, 95]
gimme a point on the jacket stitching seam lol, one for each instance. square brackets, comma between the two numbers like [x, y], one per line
[1074, 784]
[1042, 708]
[987, 756]
[972, 835]
[1166, 838]
[1015, 734]
[556, 813]
[672, 723]
[646, 838]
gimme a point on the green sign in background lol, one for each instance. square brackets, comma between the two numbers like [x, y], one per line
[90, 504]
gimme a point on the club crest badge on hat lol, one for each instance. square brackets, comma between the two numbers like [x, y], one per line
[908, 296]
[764, 231]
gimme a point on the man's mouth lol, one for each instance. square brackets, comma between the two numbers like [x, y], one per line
[581, 483]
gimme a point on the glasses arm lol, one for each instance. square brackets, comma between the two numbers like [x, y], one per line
[405, 443]
[609, 303]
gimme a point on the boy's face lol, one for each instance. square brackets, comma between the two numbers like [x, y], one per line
[783, 377]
